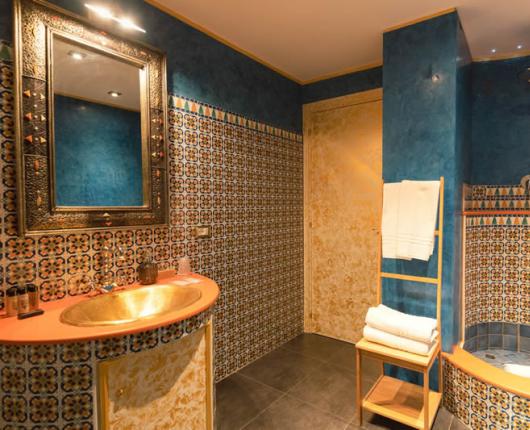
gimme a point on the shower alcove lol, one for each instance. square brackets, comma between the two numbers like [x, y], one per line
[495, 311]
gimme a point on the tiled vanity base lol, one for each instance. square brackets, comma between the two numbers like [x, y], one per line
[53, 386]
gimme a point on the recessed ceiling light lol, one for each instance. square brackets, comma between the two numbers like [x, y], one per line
[519, 46]
[114, 93]
[127, 23]
[493, 51]
[101, 11]
[76, 55]
[107, 14]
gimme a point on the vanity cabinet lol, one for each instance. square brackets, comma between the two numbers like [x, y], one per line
[153, 373]
[168, 387]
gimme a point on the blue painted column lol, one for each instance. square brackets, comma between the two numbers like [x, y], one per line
[426, 134]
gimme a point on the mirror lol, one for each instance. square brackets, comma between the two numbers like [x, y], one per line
[97, 113]
[90, 125]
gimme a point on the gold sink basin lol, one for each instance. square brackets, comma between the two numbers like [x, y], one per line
[130, 305]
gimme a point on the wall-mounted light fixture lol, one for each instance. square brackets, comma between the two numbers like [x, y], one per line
[107, 14]
[435, 77]
[114, 93]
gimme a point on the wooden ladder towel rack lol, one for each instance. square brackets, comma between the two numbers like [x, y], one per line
[407, 403]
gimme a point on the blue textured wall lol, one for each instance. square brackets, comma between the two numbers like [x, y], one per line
[425, 136]
[463, 136]
[342, 85]
[6, 21]
[98, 154]
[202, 68]
[501, 122]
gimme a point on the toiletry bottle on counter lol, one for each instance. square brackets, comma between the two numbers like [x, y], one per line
[33, 296]
[23, 300]
[147, 270]
[12, 302]
[184, 266]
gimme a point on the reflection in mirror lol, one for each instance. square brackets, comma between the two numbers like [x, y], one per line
[97, 129]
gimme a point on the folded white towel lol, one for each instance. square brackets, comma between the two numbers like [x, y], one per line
[401, 324]
[397, 342]
[389, 222]
[417, 214]
[518, 369]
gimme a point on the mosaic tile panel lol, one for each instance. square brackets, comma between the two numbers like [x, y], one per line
[482, 406]
[495, 335]
[242, 178]
[53, 386]
[497, 270]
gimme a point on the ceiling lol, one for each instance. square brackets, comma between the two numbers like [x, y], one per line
[93, 76]
[307, 40]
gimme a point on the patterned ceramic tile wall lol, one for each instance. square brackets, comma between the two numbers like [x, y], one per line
[242, 178]
[482, 406]
[497, 269]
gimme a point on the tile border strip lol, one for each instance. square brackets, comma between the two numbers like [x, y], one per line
[497, 220]
[203, 109]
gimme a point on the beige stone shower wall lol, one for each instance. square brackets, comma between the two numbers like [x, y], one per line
[343, 198]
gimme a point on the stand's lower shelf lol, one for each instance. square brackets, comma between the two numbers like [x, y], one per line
[401, 401]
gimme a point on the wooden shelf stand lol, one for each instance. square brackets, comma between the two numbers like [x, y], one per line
[410, 404]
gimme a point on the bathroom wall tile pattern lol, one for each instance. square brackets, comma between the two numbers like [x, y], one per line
[497, 270]
[482, 406]
[498, 197]
[53, 386]
[242, 178]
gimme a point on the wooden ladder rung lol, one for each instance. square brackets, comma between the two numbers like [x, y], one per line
[421, 279]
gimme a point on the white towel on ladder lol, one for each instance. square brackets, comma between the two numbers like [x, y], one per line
[389, 223]
[402, 343]
[417, 214]
[398, 323]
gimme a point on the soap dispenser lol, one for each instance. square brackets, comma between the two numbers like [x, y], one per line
[148, 269]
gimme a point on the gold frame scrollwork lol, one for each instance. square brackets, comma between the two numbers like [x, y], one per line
[36, 23]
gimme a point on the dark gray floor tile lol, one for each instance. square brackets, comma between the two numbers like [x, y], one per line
[377, 422]
[281, 368]
[344, 356]
[458, 425]
[322, 397]
[289, 413]
[316, 346]
[239, 399]
[331, 389]
[443, 420]
[353, 426]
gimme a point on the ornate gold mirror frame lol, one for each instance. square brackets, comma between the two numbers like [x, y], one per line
[36, 22]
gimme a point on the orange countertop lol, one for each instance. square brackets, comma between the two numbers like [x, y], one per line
[48, 328]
